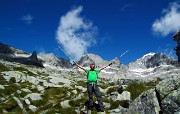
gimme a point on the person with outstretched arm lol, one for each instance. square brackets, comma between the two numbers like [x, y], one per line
[92, 76]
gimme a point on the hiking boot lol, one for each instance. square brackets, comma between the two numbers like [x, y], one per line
[101, 109]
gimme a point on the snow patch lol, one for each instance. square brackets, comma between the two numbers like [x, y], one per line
[149, 54]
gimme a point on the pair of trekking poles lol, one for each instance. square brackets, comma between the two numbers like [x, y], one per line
[74, 61]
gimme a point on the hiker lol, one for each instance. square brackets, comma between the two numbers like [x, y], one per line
[92, 76]
[176, 37]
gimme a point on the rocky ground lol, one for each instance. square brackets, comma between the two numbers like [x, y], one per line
[149, 85]
[30, 89]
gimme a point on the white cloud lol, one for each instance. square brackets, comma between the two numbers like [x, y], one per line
[27, 19]
[75, 34]
[169, 22]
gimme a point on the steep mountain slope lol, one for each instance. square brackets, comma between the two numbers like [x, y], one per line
[50, 60]
[151, 65]
[11, 54]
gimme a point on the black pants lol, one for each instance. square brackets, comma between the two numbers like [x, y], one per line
[94, 88]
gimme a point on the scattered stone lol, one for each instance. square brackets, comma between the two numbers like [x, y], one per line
[40, 88]
[26, 90]
[119, 110]
[65, 104]
[124, 96]
[2, 87]
[106, 105]
[33, 96]
[27, 101]
[19, 92]
[74, 91]
[81, 88]
[19, 102]
[33, 108]
[121, 97]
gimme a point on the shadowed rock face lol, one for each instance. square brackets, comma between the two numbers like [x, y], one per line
[176, 37]
[7, 53]
[5, 49]
[164, 98]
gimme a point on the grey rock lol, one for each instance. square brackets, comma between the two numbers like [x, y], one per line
[51, 60]
[119, 110]
[6, 49]
[171, 103]
[65, 104]
[106, 105]
[169, 93]
[167, 85]
[8, 53]
[146, 103]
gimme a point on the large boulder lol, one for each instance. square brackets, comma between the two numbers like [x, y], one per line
[164, 98]
[167, 86]
[146, 103]
[169, 93]
[171, 103]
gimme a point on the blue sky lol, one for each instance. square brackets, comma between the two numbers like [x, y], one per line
[107, 28]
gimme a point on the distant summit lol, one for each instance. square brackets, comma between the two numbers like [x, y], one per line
[10, 54]
[6, 49]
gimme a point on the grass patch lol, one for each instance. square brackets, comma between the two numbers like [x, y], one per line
[103, 86]
[136, 89]
[43, 74]
[115, 104]
[65, 110]
[82, 83]
[24, 70]
[112, 89]
[11, 106]
[3, 68]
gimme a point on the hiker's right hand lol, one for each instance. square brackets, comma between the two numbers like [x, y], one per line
[110, 64]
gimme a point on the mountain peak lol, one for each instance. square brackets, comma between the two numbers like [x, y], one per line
[148, 55]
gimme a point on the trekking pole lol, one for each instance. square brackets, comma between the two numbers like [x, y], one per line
[120, 56]
[66, 53]
[123, 54]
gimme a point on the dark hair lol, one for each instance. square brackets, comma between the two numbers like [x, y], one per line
[92, 64]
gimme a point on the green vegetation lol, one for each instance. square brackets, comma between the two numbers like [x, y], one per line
[124, 104]
[112, 89]
[24, 70]
[11, 106]
[158, 80]
[103, 86]
[82, 83]
[114, 105]
[136, 89]
[65, 110]
[152, 84]
[3, 68]
[43, 74]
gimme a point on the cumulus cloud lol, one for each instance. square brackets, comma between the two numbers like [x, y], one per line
[27, 18]
[75, 33]
[170, 20]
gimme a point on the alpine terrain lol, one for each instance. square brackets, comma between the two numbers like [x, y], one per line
[46, 84]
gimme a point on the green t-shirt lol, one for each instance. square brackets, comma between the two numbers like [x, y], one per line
[92, 75]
